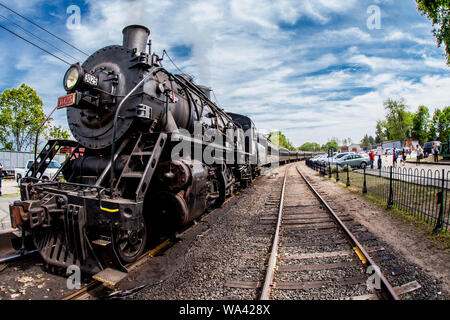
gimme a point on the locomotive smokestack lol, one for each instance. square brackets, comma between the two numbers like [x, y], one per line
[135, 37]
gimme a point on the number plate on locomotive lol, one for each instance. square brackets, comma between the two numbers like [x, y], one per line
[91, 79]
[66, 101]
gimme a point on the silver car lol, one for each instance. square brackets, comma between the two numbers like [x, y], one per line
[337, 157]
[354, 160]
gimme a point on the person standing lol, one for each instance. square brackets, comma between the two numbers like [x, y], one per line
[436, 152]
[372, 159]
[394, 158]
[380, 154]
[419, 152]
[404, 155]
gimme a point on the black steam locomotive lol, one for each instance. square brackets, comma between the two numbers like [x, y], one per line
[152, 153]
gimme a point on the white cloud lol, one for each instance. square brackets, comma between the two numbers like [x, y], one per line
[255, 68]
[329, 81]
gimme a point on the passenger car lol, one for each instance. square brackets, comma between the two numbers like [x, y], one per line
[337, 157]
[354, 160]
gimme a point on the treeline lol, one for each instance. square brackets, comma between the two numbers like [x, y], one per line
[313, 146]
[401, 124]
[398, 124]
[21, 115]
[280, 139]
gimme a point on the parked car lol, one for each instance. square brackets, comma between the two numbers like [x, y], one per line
[321, 159]
[52, 168]
[335, 159]
[364, 154]
[388, 151]
[15, 159]
[428, 146]
[354, 160]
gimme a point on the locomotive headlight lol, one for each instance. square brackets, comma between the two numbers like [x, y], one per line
[73, 77]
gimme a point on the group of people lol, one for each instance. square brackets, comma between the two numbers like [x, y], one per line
[396, 154]
[402, 155]
[372, 158]
[434, 151]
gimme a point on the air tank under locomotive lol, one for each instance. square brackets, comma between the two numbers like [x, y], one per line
[120, 184]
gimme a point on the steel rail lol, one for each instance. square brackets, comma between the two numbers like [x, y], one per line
[17, 256]
[386, 289]
[95, 284]
[268, 281]
[83, 292]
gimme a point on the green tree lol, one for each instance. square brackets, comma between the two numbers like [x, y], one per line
[420, 126]
[382, 132]
[280, 140]
[438, 11]
[310, 146]
[21, 114]
[57, 132]
[331, 145]
[367, 141]
[444, 125]
[399, 121]
[8, 146]
[439, 127]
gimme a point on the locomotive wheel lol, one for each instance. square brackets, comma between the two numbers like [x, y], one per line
[130, 245]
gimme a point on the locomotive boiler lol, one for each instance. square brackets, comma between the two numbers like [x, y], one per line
[123, 185]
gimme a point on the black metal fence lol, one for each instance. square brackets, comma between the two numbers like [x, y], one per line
[418, 192]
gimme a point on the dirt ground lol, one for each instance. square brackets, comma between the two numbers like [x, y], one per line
[405, 238]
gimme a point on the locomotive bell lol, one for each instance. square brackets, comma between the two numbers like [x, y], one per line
[135, 37]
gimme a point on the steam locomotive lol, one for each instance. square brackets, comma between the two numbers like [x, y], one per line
[152, 152]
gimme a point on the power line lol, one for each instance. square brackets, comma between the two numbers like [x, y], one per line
[165, 53]
[33, 44]
[40, 39]
[35, 24]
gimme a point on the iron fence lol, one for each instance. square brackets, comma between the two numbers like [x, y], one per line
[421, 193]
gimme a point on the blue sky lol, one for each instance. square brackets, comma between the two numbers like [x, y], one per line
[311, 68]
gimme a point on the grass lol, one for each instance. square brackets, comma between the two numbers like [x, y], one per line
[379, 197]
[430, 159]
[11, 195]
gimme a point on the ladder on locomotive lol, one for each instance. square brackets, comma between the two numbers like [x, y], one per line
[140, 166]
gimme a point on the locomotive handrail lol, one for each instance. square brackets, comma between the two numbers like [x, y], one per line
[116, 116]
[35, 167]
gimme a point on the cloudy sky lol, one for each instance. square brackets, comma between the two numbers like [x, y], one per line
[314, 69]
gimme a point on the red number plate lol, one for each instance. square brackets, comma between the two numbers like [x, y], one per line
[66, 101]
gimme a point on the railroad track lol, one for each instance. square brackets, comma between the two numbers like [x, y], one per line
[309, 240]
[319, 219]
[313, 253]
[95, 288]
